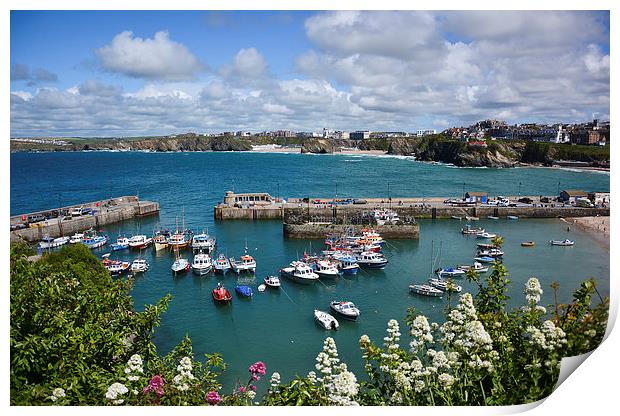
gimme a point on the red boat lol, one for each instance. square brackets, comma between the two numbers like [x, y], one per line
[221, 294]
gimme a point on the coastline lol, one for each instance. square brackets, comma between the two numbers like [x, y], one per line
[597, 227]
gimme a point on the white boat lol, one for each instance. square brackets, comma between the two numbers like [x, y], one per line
[139, 266]
[180, 265]
[246, 263]
[299, 272]
[425, 290]
[325, 269]
[468, 229]
[76, 238]
[477, 267]
[346, 263]
[203, 242]
[345, 309]
[371, 260]
[484, 259]
[512, 217]
[444, 285]
[202, 264]
[491, 217]
[454, 217]
[262, 287]
[95, 241]
[450, 272]
[325, 320]
[272, 281]
[116, 266]
[222, 264]
[49, 242]
[139, 241]
[486, 235]
[385, 216]
[491, 252]
[472, 218]
[121, 244]
[160, 241]
[565, 243]
[178, 240]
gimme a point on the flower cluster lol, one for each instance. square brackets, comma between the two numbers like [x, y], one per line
[57, 393]
[156, 385]
[257, 369]
[213, 398]
[115, 391]
[274, 383]
[532, 292]
[184, 378]
[421, 333]
[339, 383]
[548, 337]
[134, 368]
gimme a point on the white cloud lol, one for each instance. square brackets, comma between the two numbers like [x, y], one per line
[156, 58]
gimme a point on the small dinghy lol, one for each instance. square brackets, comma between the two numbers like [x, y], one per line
[272, 281]
[221, 294]
[565, 243]
[243, 290]
[512, 217]
[477, 267]
[262, 287]
[425, 290]
[444, 285]
[345, 309]
[325, 320]
[528, 244]
[484, 259]
[450, 272]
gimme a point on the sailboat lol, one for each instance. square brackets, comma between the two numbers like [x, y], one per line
[423, 288]
[180, 264]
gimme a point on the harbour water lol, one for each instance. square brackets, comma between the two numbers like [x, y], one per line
[277, 326]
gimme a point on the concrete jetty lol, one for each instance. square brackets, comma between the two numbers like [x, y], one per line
[58, 222]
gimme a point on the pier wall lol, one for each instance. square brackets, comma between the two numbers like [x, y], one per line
[310, 230]
[253, 213]
[130, 208]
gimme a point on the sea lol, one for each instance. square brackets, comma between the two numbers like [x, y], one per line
[277, 326]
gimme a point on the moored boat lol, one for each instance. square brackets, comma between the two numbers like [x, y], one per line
[244, 290]
[49, 242]
[76, 238]
[325, 320]
[450, 272]
[346, 263]
[469, 230]
[426, 290]
[139, 241]
[371, 260]
[180, 265]
[246, 263]
[491, 252]
[444, 285]
[203, 243]
[272, 281]
[325, 269]
[221, 294]
[528, 244]
[345, 309]
[486, 235]
[95, 241]
[565, 242]
[477, 267]
[299, 272]
[484, 259]
[139, 266]
[512, 217]
[472, 218]
[222, 264]
[121, 244]
[202, 264]
[160, 241]
[116, 267]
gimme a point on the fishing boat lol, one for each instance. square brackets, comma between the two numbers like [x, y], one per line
[345, 309]
[484, 259]
[178, 240]
[346, 263]
[95, 241]
[180, 264]
[491, 217]
[385, 216]
[49, 242]
[564, 243]
[202, 264]
[244, 290]
[246, 263]
[140, 241]
[203, 242]
[299, 272]
[528, 244]
[469, 230]
[476, 267]
[450, 272]
[371, 236]
[426, 290]
[444, 285]
[160, 241]
[221, 294]
[371, 260]
[121, 244]
[325, 269]
[116, 267]
[491, 252]
[325, 320]
[272, 281]
[486, 235]
[222, 264]
[512, 217]
[76, 238]
[139, 266]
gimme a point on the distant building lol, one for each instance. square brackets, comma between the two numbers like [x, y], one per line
[481, 197]
[258, 198]
[283, 133]
[599, 198]
[360, 135]
[426, 132]
[572, 195]
[342, 135]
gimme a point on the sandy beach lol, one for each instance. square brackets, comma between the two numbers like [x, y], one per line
[292, 149]
[598, 227]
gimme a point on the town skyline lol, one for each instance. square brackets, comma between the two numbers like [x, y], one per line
[139, 73]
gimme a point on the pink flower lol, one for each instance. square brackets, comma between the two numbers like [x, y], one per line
[241, 389]
[258, 368]
[255, 377]
[253, 387]
[156, 385]
[213, 397]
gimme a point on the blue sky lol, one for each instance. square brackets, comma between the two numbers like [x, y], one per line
[102, 73]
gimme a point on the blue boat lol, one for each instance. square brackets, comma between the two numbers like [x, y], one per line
[95, 241]
[122, 243]
[348, 265]
[244, 290]
[484, 259]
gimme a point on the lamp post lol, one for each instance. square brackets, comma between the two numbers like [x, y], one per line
[519, 189]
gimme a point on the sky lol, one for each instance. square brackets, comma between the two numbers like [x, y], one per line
[133, 73]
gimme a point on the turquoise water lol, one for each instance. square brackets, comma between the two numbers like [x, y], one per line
[277, 326]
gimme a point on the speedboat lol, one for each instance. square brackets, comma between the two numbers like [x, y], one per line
[491, 252]
[203, 242]
[140, 241]
[426, 290]
[222, 265]
[371, 260]
[95, 241]
[468, 229]
[565, 243]
[244, 290]
[139, 266]
[484, 259]
[202, 264]
[325, 320]
[528, 244]
[325, 269]
[486, 235]
[121, 244]
[116, 266]
[49, 242]
[444, 285]
[272, 281]
[345, 309]
[477, 267]
[450, 272]
[76, 238]
[299, 272]
[221, 294]
[245, 263]
[160, 241]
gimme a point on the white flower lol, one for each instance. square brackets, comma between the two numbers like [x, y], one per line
[115, 390]
[251, 394]
[533, 291]
[58, 392]
[53, 398]
[275, 380]
[421, 333]
[446, 380]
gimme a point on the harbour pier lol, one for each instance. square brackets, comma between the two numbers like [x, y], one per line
[66, 221]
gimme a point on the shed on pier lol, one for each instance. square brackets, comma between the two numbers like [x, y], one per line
[481, 197]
